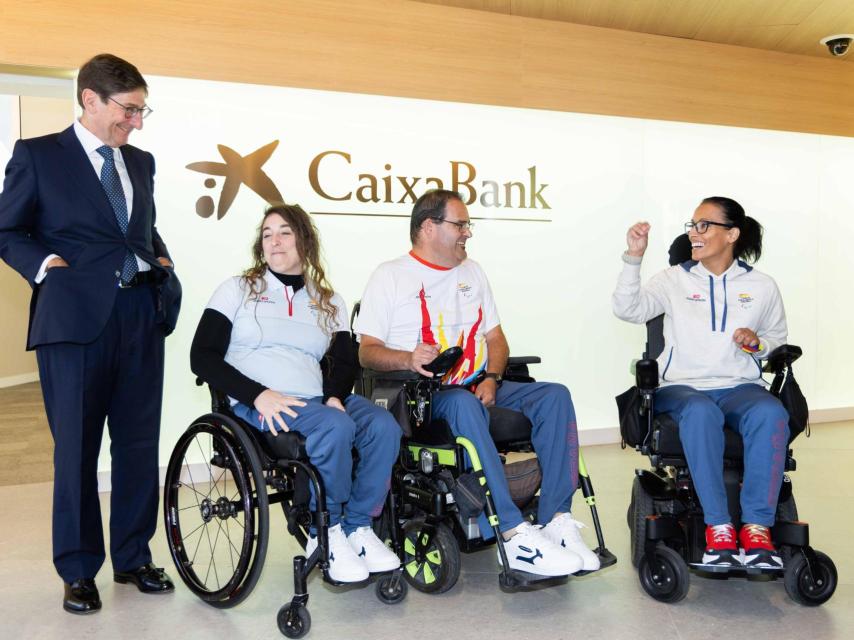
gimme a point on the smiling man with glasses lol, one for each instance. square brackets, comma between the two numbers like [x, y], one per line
[435, 297]
[77, 222]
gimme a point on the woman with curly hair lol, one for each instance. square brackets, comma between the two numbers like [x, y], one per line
[275, 339]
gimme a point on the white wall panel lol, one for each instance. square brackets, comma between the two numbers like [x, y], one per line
[553, 280]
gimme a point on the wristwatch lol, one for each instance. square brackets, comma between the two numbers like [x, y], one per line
[495, 376]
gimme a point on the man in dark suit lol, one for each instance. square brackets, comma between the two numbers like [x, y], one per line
[77, 221]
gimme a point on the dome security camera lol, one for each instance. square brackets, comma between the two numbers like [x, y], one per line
[839, 44]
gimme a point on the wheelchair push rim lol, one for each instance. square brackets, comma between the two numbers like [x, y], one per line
[216, 511]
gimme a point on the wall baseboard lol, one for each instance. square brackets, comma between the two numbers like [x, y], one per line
[605, 435]
[197, 470]
[831, 415]
[23, 378]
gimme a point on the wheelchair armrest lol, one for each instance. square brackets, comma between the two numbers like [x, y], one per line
[219, 400]
[517, 368]
[782, 357]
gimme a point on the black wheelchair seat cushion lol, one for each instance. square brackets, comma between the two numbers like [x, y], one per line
[666, 439]
[508, 427]
[290, 445]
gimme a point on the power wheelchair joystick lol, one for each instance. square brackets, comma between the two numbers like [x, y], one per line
[444, 362]
[646, 378]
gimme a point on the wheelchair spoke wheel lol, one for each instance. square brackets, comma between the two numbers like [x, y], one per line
[664, 576]
[216, 511]
[431, 558]
[810, 584]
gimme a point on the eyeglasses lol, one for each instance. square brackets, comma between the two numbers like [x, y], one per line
[701, 226]
[468, 225]
[131, 112]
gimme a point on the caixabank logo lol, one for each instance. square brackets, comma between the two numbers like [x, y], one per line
[336, 176]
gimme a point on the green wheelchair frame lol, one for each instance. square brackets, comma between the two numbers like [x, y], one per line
[429, 529]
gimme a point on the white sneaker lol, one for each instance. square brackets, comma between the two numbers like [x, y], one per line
[344, 564]
[371, 549]
[530, 551]
[564, 532]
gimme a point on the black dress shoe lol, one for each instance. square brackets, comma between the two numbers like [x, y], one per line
[81, 596]
[147, 578]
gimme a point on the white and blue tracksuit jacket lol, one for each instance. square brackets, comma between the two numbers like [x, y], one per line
[702, 311]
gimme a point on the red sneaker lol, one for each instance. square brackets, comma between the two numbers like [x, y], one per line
[721, 548]
[758, 549]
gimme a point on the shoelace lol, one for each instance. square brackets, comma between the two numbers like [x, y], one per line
[722, 533]
[756, 533]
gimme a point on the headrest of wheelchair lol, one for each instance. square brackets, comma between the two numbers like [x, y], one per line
[445, 361]
[680, 249]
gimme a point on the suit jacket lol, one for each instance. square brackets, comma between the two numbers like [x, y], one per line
[53, 202]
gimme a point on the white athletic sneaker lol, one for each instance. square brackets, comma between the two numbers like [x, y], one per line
[530, 551]
[369, 548]
[564, 532]
[344, 564]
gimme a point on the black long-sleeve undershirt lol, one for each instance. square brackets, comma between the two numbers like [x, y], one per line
[213, 336]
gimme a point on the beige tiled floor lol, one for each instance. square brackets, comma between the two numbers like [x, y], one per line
[610, 604]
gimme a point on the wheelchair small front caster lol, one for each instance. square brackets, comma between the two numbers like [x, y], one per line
[294, 620]
[391, 589]
[664, 576]
[810, 584]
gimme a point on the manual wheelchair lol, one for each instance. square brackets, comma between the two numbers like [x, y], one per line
[431, 481]
[665, 518]
[221, 479]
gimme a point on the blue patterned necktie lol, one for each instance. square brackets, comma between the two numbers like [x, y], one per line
[115, 194]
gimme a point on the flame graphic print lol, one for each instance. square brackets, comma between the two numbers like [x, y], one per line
[474, 350]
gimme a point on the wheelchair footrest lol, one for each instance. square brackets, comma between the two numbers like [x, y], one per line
[345, 585]
[606, 559]
[736, 570]
[512, 580]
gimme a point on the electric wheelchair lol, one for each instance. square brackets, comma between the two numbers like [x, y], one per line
[221, 480]
[665, 518]
[435, 499]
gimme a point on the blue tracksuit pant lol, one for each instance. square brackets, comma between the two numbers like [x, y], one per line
[330, 435]
[763, 424]
[549, 408]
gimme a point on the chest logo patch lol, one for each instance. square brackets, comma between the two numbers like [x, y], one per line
[695, 297]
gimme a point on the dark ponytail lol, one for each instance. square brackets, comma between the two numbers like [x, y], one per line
[749, 243]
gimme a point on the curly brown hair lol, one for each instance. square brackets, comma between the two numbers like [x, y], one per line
[308, 246]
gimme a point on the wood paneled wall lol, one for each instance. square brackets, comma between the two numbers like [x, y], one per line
[412, 49]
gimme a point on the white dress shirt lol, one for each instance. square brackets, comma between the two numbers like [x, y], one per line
[91, 143]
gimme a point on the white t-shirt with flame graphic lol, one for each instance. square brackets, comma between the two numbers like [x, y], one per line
[408, 301]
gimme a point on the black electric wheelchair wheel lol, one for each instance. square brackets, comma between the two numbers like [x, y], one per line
[640, 507]
[216, 511]
[431, 561]
[664, 576]
[294, 620]
[810, 583]
[392, 588]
